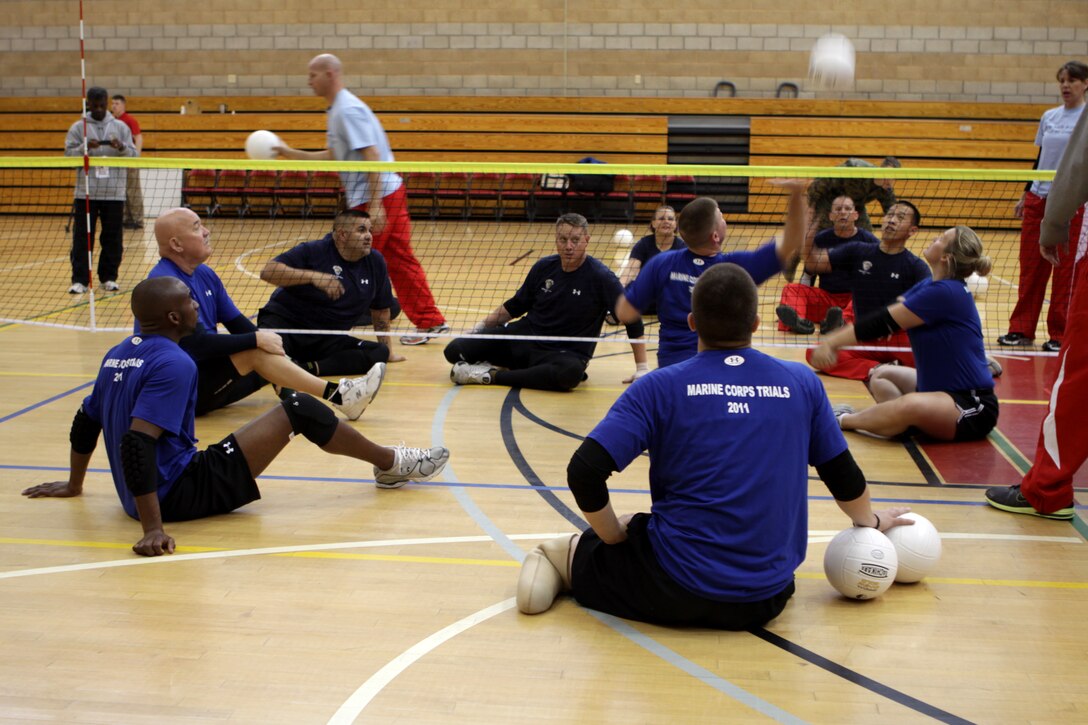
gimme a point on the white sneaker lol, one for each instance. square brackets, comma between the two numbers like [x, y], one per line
[110, 286]
[464, 373]
[421, 336]
[357, 393]
[411, 464]
[77, 288]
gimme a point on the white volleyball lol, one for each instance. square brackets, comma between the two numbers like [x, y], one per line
[860, 563]
[259, 145]
[831, 65]
[917, 547]
[623, 238]
[977, 285]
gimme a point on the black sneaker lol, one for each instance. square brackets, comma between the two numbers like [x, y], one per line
[793, 321]
[1009, 498]
[1013, 339]
[832, 321]
[1052, 346]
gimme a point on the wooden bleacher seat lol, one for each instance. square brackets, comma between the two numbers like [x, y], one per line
[230, 193]
[516, 197]
[420, 186]
[324, 195]
[484, 196]
[198, 190]
[261, 193]
[291, 193]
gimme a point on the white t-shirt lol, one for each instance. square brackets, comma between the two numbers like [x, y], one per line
[1054, 129]
[353, 126]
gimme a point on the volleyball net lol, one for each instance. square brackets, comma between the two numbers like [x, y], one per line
[476, 228]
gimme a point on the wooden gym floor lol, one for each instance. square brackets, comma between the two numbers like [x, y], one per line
[331, 601]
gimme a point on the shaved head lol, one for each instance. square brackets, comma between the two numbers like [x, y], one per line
[182, 238]
[326, 62]
[158, 304]
[324, 76]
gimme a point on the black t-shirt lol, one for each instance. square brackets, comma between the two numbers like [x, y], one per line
[877, 279]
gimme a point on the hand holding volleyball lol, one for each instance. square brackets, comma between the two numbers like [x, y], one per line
[260, 145]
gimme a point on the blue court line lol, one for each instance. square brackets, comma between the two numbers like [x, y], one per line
[47, 401]
[698, 672]
[512, 401]
[856, 678]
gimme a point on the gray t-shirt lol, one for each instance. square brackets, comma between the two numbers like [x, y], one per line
[1054, 129]
[353, 126]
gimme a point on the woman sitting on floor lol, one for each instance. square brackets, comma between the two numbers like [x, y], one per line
[950, 395]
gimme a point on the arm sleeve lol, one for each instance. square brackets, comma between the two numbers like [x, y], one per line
[203, 346]
[1070, 187]
[588, 473]
[842, 476]
[240, 324]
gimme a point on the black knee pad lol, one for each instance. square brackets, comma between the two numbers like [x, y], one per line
[312, 419]
[636, 329]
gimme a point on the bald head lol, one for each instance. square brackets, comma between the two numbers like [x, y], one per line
[182, 238]
[325, 76]
[163, 306]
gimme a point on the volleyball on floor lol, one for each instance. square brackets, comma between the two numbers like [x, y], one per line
[623, 238]
[918, 548]
[831, 64]
[259, 145]
[977, 285]
[860, 563]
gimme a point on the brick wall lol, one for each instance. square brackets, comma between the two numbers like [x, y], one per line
[487, 47]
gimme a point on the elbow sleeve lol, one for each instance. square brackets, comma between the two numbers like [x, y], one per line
[139, 462]
[842, 476]
[875, 326]
[587, 475]
[84, 433]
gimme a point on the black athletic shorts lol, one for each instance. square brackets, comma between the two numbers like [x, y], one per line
[625, 580]
[978, 413]
[218, 384]
[216, 481]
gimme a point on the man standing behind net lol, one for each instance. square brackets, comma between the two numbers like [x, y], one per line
[325, 285]
[134, 197]
[105, 190]
[355, 134]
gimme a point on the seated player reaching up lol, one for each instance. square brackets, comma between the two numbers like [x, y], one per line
[877, 275]
[950, 396]
[725, 531]
[326, 285]
[144, 403]
[667, 280]
[564, 295]
[801, 305]
[233, 366]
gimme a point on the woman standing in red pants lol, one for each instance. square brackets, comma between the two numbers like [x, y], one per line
[1053, 135]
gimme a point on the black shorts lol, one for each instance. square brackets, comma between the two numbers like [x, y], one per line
[217, 481]
[218, 384]
[978, 413]
[625, 580]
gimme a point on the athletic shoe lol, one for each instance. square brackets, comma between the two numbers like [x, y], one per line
[110, 286]
[421, 336]
[832, 321]
[995, 366]
[793, 321]
[840, 411]
[1009, 498]
[357, 393]
[1052, 346]
[411, 464]
[1013, 339]
[77, 288]
[464, 373]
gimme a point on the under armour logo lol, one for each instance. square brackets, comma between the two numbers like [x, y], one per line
[576, 291]
[228, 447]
[207, 293]
[895, 275]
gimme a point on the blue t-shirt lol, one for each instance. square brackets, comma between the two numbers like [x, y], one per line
[366, 286]
[207, 289]
[646, 248]
[731, 434]
[877, 279]
[153, 379]
[666, 283]
[564, 304]
[948, 350]
[839, 282]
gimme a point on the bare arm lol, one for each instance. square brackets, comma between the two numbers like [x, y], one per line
[281, 275]
[498, 316]
[629, 271]
[299, 155]
[827, 353]
[380, 318]
[611, 529]
[138, 142]
[860, 511]
[789, 245]
[625, 311]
